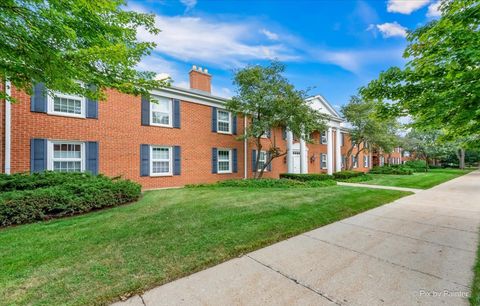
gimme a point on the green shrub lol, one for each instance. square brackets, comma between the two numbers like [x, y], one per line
[397, 169]
[75, 194]
[417, 165]
[26, 181]
[266, 183]
[346, 174]
[306, 177]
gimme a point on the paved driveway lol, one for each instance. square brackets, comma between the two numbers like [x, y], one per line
[417, 250]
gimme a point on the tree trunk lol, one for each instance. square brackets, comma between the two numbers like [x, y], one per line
[461, 159]
[256, 174]
[427, 163]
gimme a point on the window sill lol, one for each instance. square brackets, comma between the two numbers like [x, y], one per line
[224, 133]
[161, 125]
[224, 172]
[67, 115]
[161, 175]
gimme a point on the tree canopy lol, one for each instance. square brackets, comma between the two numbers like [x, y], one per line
[270, 101]
[440, 85]
[66, 43]
[367, 129]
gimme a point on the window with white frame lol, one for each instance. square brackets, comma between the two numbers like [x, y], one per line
[355, 161]
[365, 161]
[66, 156]
[66, 105]
[344, 161]
[382, 160]
[161, 112]
[323, 161]
[262, 160]
[160, 161]
[342, 139]
[323, 137]
[224, 161]
[224, 121]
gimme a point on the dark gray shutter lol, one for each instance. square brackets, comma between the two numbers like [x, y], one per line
[38, 100]
[269, 167]
[92, 105]
[268, 133]
[254, 160]
[145, 111]
[177, 166]
[214, 160]
[38, 155]
[284, 133]
[176, 113]
[234, 124]
[214, 119]
[144, 160]
[235, 160]
[92, 157]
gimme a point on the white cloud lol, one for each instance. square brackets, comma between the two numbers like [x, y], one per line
[405, 6]
[269, 35]
[434, 10]
[189, 4]
[204, 41]
[391, 29]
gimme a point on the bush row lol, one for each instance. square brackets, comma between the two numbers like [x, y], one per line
[25, 181]
[346, 174]
[306, 177]
[75, 194]
[398, 169]
[266, 183]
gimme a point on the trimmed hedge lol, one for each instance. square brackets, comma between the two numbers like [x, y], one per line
[266, 183]
[306, 177]
[60, 194]
[417, 165]
[399, 170]
[346, 174]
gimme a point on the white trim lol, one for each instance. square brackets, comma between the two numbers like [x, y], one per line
[321, 161]
[229, 121]
[245, 149]
[8, 128]
[170, 161]
[51, 100]
[258, 155]
[230, 164]
[330, 151]
[50, 158]
[189, 95]
[170, 114]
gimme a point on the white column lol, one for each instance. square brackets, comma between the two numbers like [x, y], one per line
[329, 151]
[8, 128]
[289, 152]
[338, 151]
[303, 156]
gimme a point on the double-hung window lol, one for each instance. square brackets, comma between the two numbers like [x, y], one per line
[66, 105]
[355, 162]
[66, 156]
[161, 161]
[344, 161]
[323, 161]
[224, 160]
[161, 112]
[323, 137]
[262, 160]
[224, 121]
[365, 161]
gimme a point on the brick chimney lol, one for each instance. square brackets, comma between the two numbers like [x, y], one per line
[200, 79]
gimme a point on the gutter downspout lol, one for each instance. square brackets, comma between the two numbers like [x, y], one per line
[245, 149]
[8, 127]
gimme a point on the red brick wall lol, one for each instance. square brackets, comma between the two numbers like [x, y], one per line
[119, 132]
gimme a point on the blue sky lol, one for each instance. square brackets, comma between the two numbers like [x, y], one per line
[332, 47]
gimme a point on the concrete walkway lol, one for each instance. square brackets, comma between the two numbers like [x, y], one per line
[414, 190]
[417, 250]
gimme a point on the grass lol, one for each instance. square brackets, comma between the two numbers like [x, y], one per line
[475, 295]
[420, 180]
[98, 257]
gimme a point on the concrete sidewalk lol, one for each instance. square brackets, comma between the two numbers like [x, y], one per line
[417, 250]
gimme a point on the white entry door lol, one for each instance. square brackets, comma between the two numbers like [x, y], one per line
[296, 161]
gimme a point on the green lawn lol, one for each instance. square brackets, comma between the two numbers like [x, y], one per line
[97, 257]
[475, 296]
[421, 180]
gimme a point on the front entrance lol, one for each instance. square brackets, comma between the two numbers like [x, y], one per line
[296, 161]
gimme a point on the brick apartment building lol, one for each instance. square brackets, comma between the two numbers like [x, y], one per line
[187, 137]
[397, 157]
